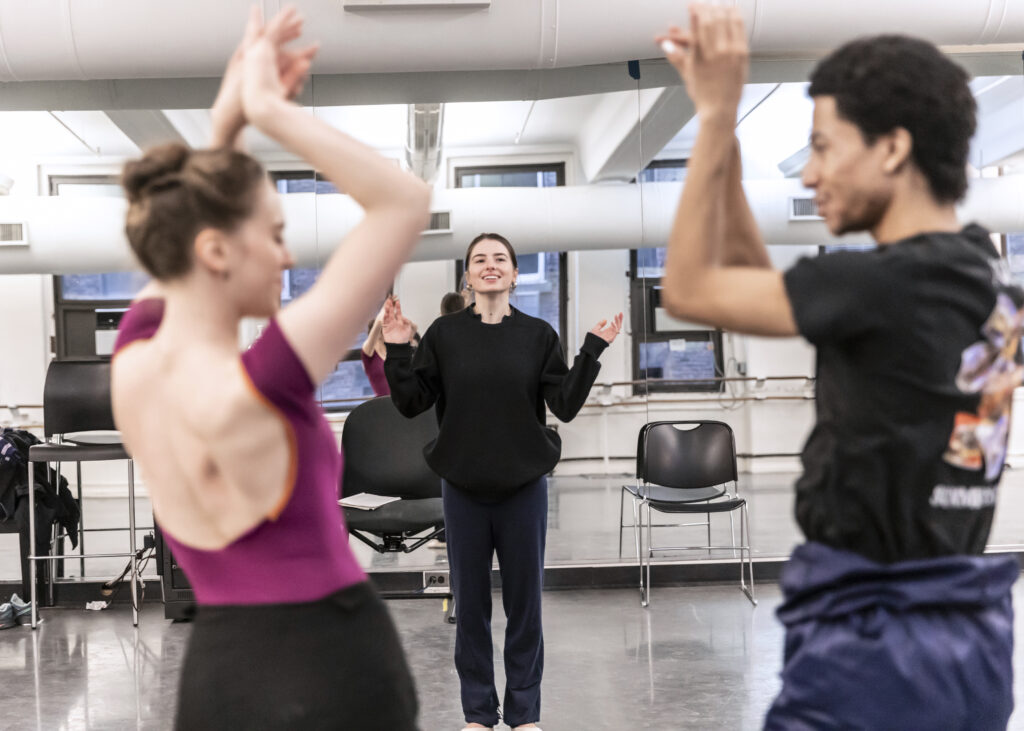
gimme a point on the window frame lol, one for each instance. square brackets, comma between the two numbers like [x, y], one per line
[644, 300]
[558, 167]
[334, 406]
[62, 307]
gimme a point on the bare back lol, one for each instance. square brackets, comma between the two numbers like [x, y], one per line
[215, 455]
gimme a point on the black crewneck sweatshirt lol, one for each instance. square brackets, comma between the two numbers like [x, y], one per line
[489, 384]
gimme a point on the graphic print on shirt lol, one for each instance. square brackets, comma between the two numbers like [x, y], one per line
[992, 368]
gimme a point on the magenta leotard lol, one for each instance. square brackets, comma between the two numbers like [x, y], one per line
[373, 367]
[300, 552]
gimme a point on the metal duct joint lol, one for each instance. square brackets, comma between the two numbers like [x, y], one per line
[423, 142]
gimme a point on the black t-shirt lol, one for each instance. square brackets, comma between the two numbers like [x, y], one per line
[490, 383]
[918, 346]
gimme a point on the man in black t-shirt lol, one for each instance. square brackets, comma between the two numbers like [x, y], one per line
[893, 617]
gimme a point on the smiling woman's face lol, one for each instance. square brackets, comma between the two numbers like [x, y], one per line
[490, 268]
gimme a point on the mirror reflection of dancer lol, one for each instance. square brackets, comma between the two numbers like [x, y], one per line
[241, 465]
[373, 353]
[894, 619]
[490, 369]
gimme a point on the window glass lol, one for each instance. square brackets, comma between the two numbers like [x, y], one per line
[348, 385]
[539, 289]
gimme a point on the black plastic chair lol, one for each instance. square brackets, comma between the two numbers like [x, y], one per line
[76, 398]
[685, 467]
[384, 456]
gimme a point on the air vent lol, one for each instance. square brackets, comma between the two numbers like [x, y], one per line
[440, 223]
[13, 234]
[803, 209]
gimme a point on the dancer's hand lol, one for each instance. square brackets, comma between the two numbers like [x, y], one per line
[608, 330]
[396, 328]
[272, 73]
[227, 114]
[711, 58]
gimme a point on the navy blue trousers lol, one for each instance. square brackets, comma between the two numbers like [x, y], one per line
[924, 644]
[515, 528]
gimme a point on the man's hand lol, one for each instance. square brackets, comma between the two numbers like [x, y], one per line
[711, 58]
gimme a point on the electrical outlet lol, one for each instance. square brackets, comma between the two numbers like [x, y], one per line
[436, 582]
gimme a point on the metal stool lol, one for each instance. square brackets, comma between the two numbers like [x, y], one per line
[76, 398]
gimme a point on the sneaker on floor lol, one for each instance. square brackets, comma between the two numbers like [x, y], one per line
[22, 611]
[436, 544]
[7, 619]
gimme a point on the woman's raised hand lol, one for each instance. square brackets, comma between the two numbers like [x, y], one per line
[608, 330]
[269, 71]
[396, 328]
[227, 114]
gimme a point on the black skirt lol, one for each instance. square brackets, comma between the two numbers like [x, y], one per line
[335, 663]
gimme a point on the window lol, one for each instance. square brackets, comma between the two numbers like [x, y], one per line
[669, 354]
[347, 385]
[542, 289]
[1014, 247]
[88, 307]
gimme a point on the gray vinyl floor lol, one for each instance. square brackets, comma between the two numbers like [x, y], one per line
[698, 658]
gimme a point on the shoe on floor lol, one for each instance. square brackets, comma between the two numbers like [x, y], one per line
[438, 546]
[7, 619]
[22, 610]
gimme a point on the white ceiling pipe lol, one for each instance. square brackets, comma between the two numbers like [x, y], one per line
[112, 39]
[79, 235]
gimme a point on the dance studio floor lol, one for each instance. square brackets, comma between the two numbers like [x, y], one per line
[698, 658]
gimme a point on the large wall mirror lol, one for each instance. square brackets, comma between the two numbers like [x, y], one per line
[585, 186]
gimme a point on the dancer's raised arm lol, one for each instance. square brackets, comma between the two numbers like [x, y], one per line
[322, 323]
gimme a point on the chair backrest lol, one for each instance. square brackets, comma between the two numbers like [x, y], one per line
[700, 454]
[76, 397]
[383, 452]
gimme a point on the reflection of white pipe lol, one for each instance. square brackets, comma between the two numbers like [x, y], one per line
[117, 39]
[73, 234]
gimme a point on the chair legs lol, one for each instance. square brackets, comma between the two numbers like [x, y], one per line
[637, 510]
[745, 545]
[134, 573]
[34, 557]
[645, 556]
[622, 501]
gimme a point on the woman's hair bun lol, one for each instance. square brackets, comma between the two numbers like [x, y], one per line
[158, 166]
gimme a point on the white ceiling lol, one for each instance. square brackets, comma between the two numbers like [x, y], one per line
[775, 123]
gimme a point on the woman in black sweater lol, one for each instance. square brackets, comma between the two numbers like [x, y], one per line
[489, 370]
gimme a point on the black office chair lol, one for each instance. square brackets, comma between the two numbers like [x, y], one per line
[685, 467]
[76, 398]
[384, 456]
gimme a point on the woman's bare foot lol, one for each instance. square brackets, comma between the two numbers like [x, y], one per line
[477, 725]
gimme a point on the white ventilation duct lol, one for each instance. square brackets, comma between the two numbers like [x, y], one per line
[118, 39]
[76, 235]
[423, 140]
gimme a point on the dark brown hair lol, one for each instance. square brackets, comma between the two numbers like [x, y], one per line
[885, 82]
[452, 302]
[174, 192]
[497, 237]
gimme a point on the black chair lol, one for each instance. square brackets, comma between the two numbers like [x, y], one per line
[384, 456]
[685, 467]
[76, 398]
